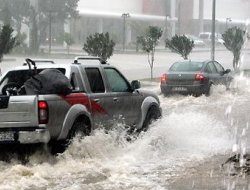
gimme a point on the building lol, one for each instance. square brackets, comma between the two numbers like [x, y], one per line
[228, 13]
[125, 20]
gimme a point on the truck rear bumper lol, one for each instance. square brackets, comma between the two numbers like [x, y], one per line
[37, 136]
[24, 135]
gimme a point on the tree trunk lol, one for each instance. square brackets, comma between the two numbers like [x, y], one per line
[1, 58]
[152, 63]
[151, 72]
[185, 57]
[236, 61]
[19, 26]
[68, 49]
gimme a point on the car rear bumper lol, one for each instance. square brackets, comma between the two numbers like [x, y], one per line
[183, 89]
[24, 136]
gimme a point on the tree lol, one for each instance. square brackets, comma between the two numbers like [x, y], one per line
[181, 45]
[15, 11]
[22, 47]
[7, 41]
[99, 45]
[34, 45]
[234, 41]
[148, 42]
[55, 11]
[6, 15]
[67, 38]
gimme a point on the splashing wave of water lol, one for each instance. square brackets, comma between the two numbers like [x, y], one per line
[189, 132]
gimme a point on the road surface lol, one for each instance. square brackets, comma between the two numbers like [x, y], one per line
[182, 150]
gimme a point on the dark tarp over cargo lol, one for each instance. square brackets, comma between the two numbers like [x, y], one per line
[49, 81]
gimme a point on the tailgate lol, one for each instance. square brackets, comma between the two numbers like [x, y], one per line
[18, 111]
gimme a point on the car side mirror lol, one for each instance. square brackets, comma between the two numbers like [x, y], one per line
[227, 71]
[135, 84]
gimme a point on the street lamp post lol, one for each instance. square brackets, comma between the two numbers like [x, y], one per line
[50, 12]
[124, 16]
[166, 27]
[213, 31]
[50, 33]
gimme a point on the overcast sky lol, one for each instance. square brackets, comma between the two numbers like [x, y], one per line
[238, 10]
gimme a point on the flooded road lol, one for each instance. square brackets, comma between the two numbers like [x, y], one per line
[191, 131]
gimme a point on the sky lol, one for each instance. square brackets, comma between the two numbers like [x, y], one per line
[237, 10]
[117, 6]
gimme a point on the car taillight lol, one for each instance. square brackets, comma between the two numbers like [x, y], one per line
[164, 78]
[199, 77]
[43, 112]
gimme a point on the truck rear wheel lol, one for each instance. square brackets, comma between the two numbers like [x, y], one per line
[79, 129]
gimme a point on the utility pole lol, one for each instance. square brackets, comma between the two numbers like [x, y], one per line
[124, 16]
[179, 17]
[50, 10]
[50, 23]
[213, 30]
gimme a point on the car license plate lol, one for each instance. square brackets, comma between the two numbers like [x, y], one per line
[180, 89]
[7, 136]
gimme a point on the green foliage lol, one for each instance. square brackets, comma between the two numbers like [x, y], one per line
[61, 9]
[16, 11]
[22, 47]
[234, 41]
[54, 11]
[181, 45]
[67, 38]
[150, 39]
[99, 45]
[6, 14]
[7, 41]
[148, 42]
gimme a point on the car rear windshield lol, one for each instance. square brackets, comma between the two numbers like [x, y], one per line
[187, 66]
[204, 36]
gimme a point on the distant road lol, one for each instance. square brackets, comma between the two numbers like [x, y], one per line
[135, 66]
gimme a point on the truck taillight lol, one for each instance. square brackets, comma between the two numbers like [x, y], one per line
[199, 77]
[164, 78]
[43, 112]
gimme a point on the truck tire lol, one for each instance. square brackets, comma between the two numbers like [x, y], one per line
[152, 115]
[78, 128]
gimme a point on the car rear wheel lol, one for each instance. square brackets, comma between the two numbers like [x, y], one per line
[164, 92]
[207, 91]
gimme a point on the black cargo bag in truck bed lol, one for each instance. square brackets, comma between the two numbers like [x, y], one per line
[49, 81]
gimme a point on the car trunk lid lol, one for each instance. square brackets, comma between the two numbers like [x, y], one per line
[181, 78]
